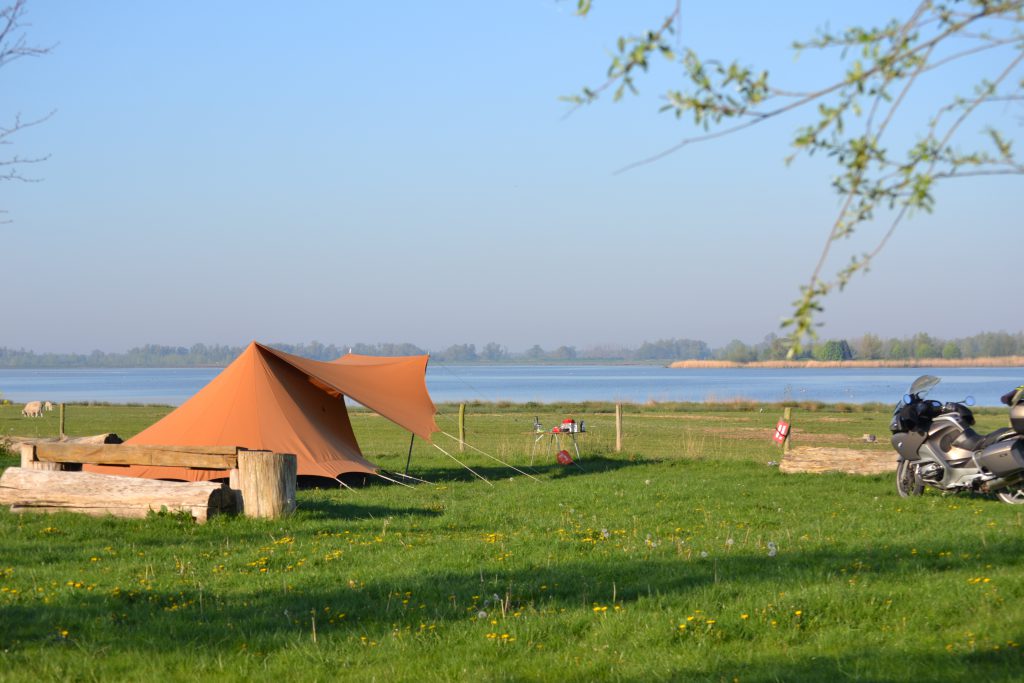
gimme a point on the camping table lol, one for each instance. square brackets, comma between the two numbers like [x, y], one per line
[555, 440]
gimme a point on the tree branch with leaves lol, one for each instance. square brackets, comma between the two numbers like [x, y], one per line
[850, 118]
[14, 45]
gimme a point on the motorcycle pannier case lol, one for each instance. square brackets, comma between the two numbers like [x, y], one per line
[1017, 417]
[1003, 458]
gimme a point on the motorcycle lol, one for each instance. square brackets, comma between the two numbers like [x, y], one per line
[938, 447]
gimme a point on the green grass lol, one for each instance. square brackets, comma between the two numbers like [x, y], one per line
[81, 420]
[588, 574]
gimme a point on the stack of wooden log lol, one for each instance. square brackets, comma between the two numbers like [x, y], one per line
[848, 460]
[263, 483]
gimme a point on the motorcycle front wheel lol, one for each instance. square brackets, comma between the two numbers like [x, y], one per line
[908, 483]
[1013, 495]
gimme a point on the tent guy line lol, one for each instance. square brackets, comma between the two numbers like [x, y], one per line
[393, 481]
[512, 467]
[409, 476]
[480, 476]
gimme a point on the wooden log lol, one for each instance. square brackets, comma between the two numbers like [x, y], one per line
[267, 482]
[28, 490]
[618, 427]
[15, 442]
[207, 457]
[61, 421]
[819, 460]
[98, 439]
[30, 461]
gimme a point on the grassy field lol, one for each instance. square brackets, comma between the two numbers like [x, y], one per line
[687, 557]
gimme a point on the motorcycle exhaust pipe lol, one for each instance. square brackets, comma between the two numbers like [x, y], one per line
[994, 485]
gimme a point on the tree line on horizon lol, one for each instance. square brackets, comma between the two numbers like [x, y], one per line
[772, 347]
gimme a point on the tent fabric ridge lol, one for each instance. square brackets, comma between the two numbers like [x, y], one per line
[297, 362]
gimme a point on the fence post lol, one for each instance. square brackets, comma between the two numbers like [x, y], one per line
[462, 427]
[618, 427]
[62, 420]
[267, 482]
[787, 415]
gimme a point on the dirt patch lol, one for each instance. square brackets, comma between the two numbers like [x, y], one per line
[820, 439]
[686, 416]
[809, 439]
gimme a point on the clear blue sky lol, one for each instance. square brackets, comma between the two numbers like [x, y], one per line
[340, 171]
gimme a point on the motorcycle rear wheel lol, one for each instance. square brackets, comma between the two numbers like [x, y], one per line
[908, 482]
[1013, 496]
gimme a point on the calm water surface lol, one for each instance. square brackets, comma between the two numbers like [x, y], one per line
[550, 383]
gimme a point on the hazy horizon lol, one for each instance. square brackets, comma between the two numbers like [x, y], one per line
[479, 345]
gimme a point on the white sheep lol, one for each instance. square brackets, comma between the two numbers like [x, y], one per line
[33, 409]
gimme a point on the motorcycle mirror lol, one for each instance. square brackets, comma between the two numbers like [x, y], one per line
[908, 398]
[969, 401]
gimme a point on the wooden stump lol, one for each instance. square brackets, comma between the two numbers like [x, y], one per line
[267, 483]
[29, 461]
[818, 460]
[33, 490]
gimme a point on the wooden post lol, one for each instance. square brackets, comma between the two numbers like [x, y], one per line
[462, 427]
[235, 486]
[29, 461]
[787, 415]
[409, 458]
[28, 455]
[62, 420]
[267, 482]
[618, 427]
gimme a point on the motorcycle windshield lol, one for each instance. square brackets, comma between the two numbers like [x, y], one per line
[920, 388]
[922, 385]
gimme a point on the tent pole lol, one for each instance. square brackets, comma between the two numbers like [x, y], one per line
[412, 437]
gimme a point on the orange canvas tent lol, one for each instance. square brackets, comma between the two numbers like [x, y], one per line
[270, 400]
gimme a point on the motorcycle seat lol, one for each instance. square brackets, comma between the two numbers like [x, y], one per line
[973, 441]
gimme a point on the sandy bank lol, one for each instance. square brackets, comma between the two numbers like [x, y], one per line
[1003, 362]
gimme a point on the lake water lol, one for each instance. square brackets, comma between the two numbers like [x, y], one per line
[551, 383]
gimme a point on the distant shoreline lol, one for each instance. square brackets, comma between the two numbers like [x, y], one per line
[1000, 362]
